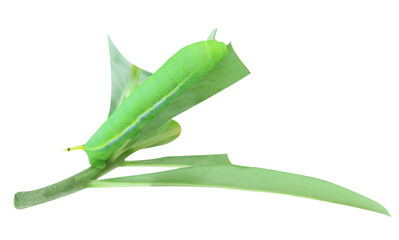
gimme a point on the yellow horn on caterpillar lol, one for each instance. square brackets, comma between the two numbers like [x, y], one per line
[75, 148]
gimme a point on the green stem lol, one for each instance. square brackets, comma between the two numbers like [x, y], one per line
[65, 187]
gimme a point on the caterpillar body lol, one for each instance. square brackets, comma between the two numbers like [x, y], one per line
[178, 73]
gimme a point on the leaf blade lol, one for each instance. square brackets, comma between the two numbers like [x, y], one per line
[124, 75]
[163, 135]
[249, 178]
[181, 161]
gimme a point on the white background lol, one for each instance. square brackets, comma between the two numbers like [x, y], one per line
[321, 100]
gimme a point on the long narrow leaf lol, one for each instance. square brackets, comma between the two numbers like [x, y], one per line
[180, 161]
[248, 178]
[125, 76]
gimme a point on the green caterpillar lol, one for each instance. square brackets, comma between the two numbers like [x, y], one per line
[178, 73]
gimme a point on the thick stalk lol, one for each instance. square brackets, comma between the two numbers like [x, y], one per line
[65, 187]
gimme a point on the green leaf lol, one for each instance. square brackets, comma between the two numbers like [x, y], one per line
[180, 161]
[163, 135]
[125, 76]
[248, 178]
[213, 34]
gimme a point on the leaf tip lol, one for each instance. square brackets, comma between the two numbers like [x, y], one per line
[384, 211]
